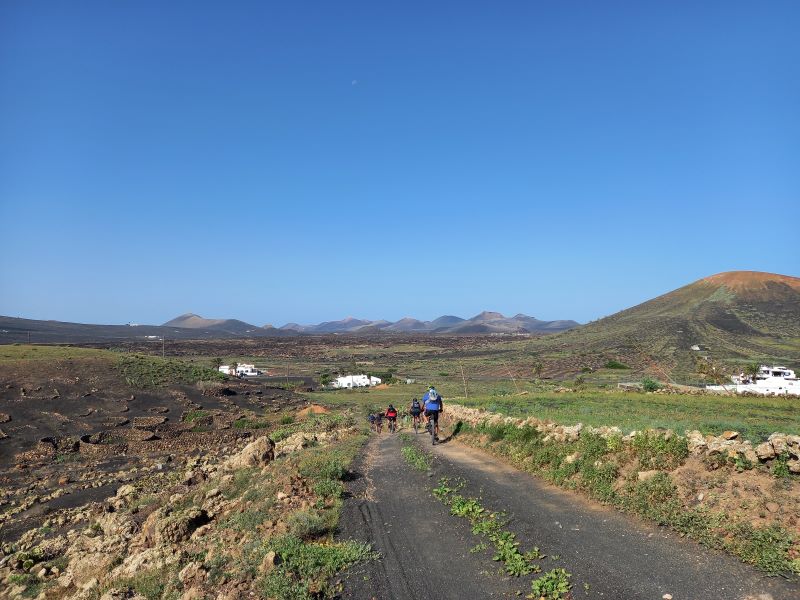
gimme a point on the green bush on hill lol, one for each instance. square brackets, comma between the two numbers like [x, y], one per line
[615, 364]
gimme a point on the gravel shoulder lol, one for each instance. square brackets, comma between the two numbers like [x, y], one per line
[426, 551]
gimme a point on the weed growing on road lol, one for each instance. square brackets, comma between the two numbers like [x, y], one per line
[416, 458]
[490, 525]
[553, 585]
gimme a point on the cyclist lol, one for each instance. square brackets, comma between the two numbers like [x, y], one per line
[434, 406]
[416, 411]
[371, 419]
[378, 421]
[391, 416]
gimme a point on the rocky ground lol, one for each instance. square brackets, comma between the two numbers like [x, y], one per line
[211, 524]
[71, 430]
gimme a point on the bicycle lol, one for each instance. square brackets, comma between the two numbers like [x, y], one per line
[392, 425]
[416, 419]
[378, 425]
[431, 427]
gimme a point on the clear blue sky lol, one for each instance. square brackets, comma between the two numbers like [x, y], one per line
[303, 161]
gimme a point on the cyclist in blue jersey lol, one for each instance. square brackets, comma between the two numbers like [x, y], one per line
[434, 406]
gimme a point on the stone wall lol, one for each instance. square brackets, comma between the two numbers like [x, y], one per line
[728, 444]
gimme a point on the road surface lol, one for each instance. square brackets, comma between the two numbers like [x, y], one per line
[426, 551]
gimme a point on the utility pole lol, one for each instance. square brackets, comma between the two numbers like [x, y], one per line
[162, 347]
[514, 379]
[464, 379]
[29, 337]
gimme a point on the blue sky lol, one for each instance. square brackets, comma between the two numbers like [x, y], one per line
[301, 161]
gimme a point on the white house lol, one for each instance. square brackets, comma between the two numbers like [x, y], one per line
[769, 381]
[242, 370]
[351, 381]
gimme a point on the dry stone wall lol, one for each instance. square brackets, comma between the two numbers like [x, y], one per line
[729, 444]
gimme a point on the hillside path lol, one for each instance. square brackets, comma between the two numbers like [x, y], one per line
[426, 551]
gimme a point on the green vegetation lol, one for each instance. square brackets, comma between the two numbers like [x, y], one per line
[153, 584]
[148, 371]
[490, 525]
[26, 352]
[305, 567]
[252, 423]
[33, 585]
[650, 385]
[656, 451]
[754, 418]
[553, 585]
[417, 458]
[593, 464]
[194, 415]
[615, 364]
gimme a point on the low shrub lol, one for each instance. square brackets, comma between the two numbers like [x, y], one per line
[650, 385]
[319, 465]
[310, 524]
[305, 567]
[615, 364]
[657, 451]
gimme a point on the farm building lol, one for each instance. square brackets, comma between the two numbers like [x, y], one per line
[242, 370]
[351, 381]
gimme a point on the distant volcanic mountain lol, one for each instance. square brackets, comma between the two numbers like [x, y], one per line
[484, 323]
[193, 321]
[737, 316]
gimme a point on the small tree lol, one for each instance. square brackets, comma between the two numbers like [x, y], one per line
[216, 363]
[711, 370]
[538, 369]
[752, 370]
[234, 366]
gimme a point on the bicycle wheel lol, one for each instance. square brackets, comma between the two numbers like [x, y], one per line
[433, 432]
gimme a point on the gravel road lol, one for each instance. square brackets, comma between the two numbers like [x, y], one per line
[426, 551]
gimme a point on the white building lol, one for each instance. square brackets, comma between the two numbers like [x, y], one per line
[351, 381]
[770, 381]
[242, 370]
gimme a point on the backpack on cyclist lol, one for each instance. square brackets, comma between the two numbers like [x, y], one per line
[434, 401]
[391, 413]
[415, 405]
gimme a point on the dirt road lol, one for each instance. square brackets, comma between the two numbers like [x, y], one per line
[426, 551]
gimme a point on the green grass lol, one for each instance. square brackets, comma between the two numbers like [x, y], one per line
[153, 584]
[416, 458]
[305, 568]
[148, 371]
[15, 352]
[194, 415]
[754, 418]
